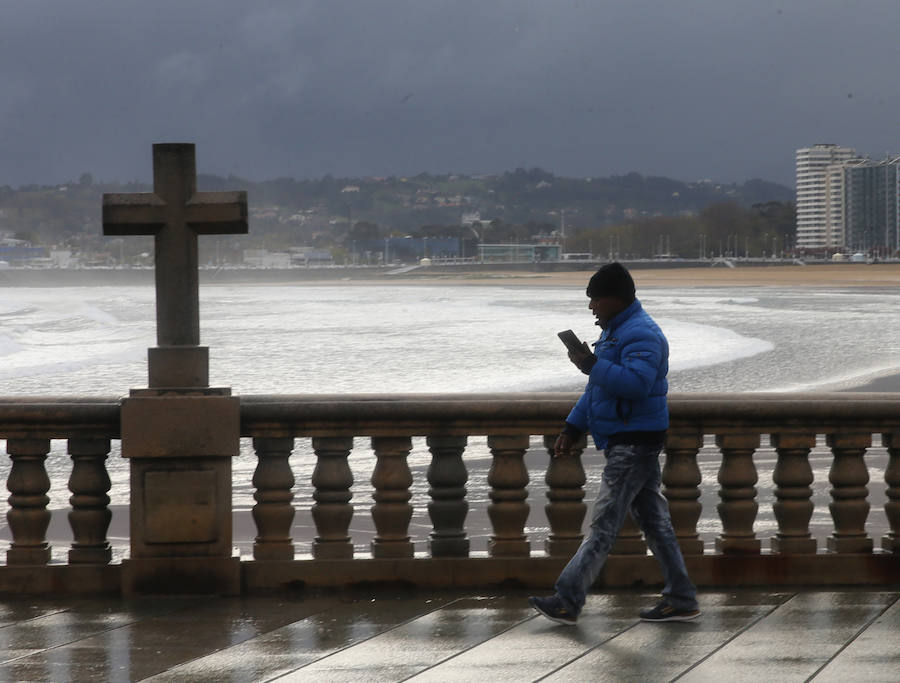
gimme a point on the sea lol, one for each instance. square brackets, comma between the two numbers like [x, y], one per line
[371, 338]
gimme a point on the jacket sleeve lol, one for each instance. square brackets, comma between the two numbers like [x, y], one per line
[578, 416]
[633, 379]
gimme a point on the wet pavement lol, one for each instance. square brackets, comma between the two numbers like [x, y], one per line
[391, 635]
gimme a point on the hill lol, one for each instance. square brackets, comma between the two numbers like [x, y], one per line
[329, 211]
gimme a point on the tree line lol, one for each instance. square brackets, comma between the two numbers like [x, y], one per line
[724, 229]
[633, 215]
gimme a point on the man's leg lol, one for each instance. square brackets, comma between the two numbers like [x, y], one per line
[650, 510]
[621, 479]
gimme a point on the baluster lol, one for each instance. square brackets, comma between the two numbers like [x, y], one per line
[849, 507]
[737, 476]
[273, 512]
[28, 515]
[508, 478]
[793, 507]
[565, 491]
[448, 507]
[630, 541]
[392, 512]
[681, 477]
[90, 514]
[891, 542]
[332, 511]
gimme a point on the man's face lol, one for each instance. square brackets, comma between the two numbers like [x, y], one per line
[605, 308]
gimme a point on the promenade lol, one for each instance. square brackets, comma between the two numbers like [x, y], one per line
[394, 635]
[788, 590]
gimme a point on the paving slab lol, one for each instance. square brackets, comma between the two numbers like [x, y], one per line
[144, 637]
[418, 644]
[661, 652]
[18, 612]
[48, 644]
[340, 624]
[795, 640]
[873, 656]
[537, 646]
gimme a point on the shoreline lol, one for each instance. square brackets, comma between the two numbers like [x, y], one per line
[884, 384]
[646, 274]
[820, 275]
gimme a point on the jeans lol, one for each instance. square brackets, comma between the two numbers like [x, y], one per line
[631, 480]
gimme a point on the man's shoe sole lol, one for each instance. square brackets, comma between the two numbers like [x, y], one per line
[564, 622]
[675, 617]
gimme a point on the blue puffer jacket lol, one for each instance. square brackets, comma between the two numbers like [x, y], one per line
[626, 390]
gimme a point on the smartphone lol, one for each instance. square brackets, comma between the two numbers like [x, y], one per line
[571, 340]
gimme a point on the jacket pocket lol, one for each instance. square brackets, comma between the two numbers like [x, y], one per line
[623, 410]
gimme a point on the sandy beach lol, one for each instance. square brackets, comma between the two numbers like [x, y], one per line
[820, 275]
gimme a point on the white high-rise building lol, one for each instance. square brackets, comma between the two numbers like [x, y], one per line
[820, 196]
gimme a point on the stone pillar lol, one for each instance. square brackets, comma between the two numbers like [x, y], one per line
[508, 479]
[565, 492]
[28, 516]
[273, 512]
[793, 507]
[681, 477]
[332, 511]
[392, 512]
[849, 507]
[90, 515]
[891, 542]
[447, 477]
[737, 476]
[180, 443]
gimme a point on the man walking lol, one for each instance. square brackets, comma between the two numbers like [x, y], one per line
[624, 408]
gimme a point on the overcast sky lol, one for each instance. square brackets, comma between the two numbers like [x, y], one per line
[721, 89]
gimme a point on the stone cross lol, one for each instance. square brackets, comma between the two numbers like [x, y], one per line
[175, 213]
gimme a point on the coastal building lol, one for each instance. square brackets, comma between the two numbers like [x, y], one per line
[872, 206]
[518, 253]
[470, 218]
[262, 258]
[820, 195]
[406, 249]
[311, 256]
[21, 255]
[62, 258]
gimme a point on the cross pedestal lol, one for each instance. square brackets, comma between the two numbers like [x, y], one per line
[179, 434]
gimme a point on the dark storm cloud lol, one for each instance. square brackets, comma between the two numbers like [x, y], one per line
[723, 89]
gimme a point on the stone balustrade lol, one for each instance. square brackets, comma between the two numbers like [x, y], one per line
[28, 426]
[734, 426]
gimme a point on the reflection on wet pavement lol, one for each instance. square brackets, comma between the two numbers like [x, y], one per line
[449, 636]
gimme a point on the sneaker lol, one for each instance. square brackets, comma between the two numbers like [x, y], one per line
[665, 612]
[552, 607]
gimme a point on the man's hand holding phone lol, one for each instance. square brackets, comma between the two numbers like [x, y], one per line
[579, 352]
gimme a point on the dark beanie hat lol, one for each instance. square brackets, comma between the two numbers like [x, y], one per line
[613, 279]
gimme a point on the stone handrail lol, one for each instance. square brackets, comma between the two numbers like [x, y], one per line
[419, 414]
[58, 417]
[793, 422]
